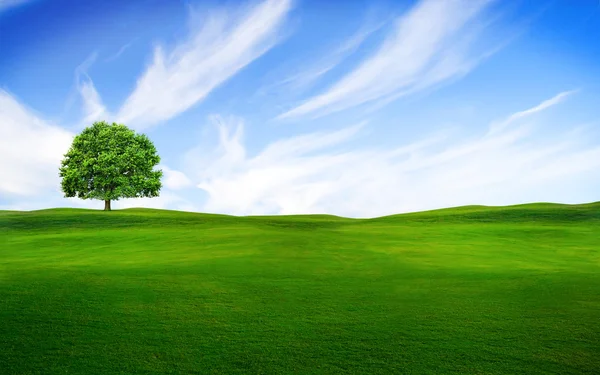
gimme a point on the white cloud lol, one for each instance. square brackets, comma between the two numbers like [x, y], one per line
[430, 44]
[173, 179]
[30, 150]
[223, 45]
[304, 174]
[256, 185]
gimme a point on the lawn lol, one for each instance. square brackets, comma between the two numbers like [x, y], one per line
[471, 290]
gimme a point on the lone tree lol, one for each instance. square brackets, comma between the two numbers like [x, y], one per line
[109, 162]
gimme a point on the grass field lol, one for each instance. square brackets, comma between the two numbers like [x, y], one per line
[471, 290]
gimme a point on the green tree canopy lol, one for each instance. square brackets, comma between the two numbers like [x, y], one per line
[108, 162]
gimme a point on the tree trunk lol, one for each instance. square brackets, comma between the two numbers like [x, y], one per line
[107, 205]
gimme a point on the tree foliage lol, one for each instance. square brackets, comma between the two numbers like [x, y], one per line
[109, 162]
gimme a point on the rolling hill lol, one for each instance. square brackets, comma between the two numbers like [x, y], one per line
[467, 290]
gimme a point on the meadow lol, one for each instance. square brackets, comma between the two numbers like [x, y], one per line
[469, 290]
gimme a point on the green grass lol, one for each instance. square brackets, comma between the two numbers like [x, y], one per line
[470, 290]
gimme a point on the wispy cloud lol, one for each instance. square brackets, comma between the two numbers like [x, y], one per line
[120, 51]
[305, 174]
[305, 78]
[538, 108]
[93, 107]
[431, 43]
[217, 49]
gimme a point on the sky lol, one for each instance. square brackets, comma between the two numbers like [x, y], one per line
[353, 108]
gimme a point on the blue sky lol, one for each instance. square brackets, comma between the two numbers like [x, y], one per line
[360, 109]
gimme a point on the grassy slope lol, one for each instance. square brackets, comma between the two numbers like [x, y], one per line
[511, 290]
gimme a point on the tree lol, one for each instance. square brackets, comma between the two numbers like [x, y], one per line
[109, 162]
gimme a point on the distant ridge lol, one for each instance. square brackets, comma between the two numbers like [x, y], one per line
[519, 212]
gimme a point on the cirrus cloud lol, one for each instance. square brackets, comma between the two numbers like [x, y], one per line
[430, 44]
[218, 48]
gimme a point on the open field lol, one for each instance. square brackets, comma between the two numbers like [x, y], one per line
[472, 290]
